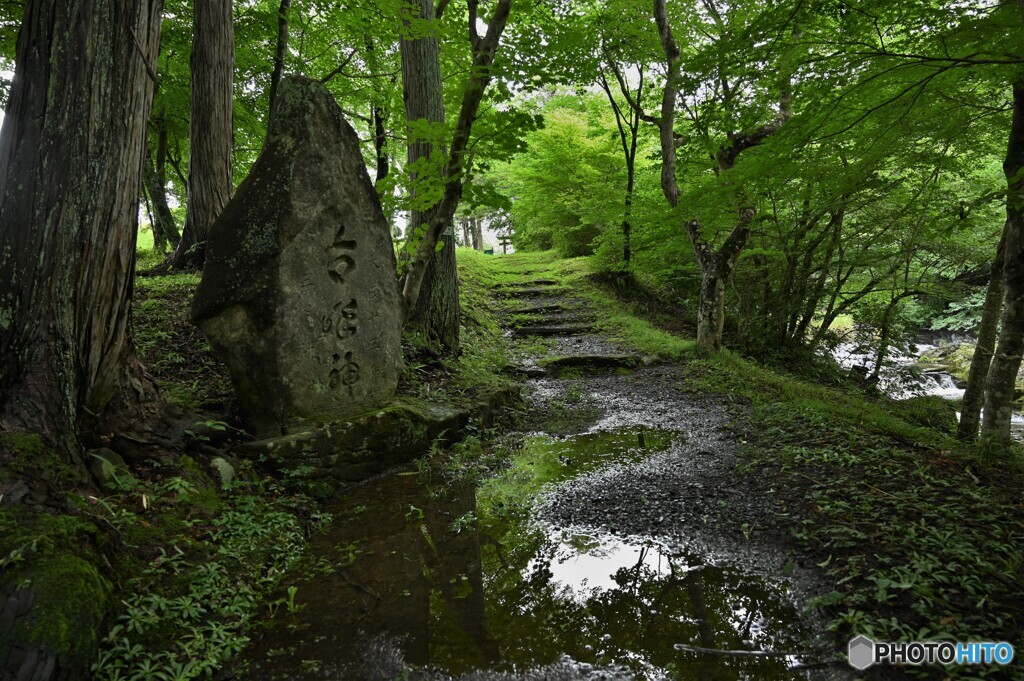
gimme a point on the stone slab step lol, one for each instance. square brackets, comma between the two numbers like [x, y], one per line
[533, 292]
[543, 330]
[592, 362]
[539, 309]
[531, 283]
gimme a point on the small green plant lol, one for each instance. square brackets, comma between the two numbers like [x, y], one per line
[293, 607]
[177, 486]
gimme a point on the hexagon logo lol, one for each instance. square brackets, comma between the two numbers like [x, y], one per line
[861, 652]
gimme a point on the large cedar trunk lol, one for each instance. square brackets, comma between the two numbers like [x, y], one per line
[974, 395]
[210, 129]
[71, 161]
[436, 312]
[1002, 374]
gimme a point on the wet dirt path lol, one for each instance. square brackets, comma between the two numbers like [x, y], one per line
[620, 542]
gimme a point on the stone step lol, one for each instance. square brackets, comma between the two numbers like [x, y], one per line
[539, 309]
[531, 283]
[544, 330]
[530, 292]
[592, 362]
[554, 319]
[527, 371]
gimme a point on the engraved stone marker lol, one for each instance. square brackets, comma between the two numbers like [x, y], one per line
[299, 295]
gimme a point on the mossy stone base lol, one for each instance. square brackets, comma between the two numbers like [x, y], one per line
[332, 456]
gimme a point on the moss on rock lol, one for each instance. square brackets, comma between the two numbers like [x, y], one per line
[53, 598]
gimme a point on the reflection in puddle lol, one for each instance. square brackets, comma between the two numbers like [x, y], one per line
[586, 563]
[468, 581]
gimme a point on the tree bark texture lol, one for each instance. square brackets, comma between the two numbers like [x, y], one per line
[711, 311]
[71, 163]
[436, 311]
[1002, 374]
[210, 129]
[974, 394]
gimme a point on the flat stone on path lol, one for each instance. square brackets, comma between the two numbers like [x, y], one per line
[593, 362]
[539, 309]
[532, 292]
[537, 330]
[299, 296]
[534, 283]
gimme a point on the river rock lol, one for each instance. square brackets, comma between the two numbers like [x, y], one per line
[299, 295]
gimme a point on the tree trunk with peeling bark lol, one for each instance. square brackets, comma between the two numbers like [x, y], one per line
[71, 162]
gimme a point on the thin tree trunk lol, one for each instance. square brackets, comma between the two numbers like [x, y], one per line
[436, 312]
[159, 240]
[974, 395]
[477, 226]
[210, 130]
[627, 211]
[818, 287]
[467, 239]
[71, 159]
[281, 53]
[717, 265]
[156, 186]
[628, 126]
[380, 147]
[1002, 374]
[163, 209]
[884, 338]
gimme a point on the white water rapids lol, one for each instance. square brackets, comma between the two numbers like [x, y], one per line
[897, 380]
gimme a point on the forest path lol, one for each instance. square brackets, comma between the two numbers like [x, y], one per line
[653, 469]
[608, 536]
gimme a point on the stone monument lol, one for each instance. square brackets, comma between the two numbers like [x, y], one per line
[299, 294]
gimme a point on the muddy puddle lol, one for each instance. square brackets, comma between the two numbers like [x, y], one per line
[421, 580]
